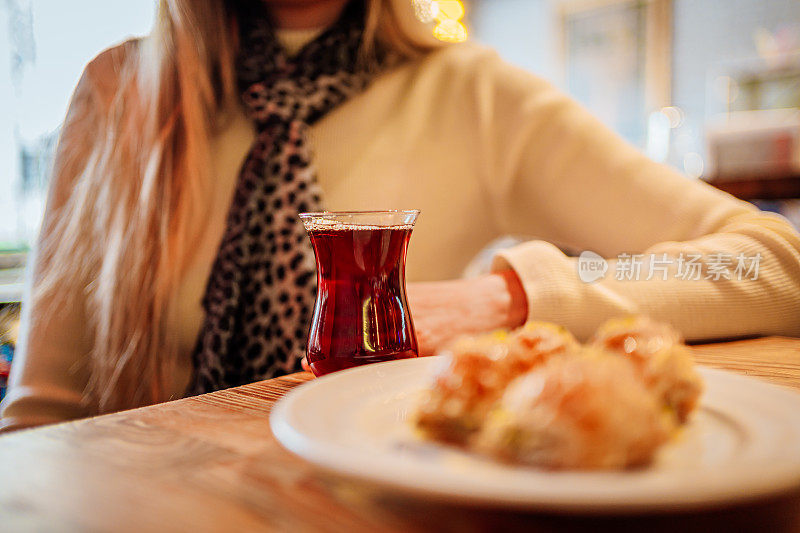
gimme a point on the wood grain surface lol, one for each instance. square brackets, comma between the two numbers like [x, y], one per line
[210, 463]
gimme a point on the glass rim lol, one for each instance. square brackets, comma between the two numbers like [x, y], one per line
[316, 214]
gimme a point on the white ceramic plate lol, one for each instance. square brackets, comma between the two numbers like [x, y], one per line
[743, 443]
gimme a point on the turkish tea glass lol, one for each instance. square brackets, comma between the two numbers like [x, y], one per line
[361, 314]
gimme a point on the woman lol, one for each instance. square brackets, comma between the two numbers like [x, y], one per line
[171, 260]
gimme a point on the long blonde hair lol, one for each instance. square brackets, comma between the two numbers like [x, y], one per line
[123, 232]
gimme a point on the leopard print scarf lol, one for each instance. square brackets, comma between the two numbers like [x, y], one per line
[261, 290]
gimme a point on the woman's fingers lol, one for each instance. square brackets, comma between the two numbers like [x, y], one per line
[304, 364]
[445, 310]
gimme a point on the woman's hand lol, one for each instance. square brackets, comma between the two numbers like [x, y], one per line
[444, 310]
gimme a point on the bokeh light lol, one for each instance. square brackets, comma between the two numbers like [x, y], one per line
[423, 9]
[447, 14]
[449, 9]
[451, 31]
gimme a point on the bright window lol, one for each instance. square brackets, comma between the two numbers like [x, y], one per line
[44, 45]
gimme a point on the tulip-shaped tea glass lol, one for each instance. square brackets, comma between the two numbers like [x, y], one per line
[361, 314]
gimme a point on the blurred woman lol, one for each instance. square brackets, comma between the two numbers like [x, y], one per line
[171, 259]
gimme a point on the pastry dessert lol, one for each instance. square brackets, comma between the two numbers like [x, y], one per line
[475, 372]
[586, 411]
[659, 355]
[536, 396]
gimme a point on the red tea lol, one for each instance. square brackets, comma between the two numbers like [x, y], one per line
[361, 313]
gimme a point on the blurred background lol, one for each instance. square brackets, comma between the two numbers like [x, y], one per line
[710, 87]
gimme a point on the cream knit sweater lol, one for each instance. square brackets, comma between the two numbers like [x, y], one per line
[483, 150]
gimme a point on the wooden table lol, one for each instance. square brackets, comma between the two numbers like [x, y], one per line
[210, 463]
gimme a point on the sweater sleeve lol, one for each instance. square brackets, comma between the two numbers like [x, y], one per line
[50, 369]
[559, 175]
